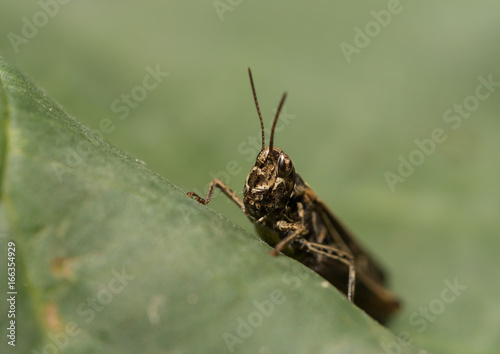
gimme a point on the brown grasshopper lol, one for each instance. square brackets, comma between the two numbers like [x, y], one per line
[291, 218]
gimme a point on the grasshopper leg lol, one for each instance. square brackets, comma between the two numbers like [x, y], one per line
[341, 256]
[224, 188]
[298, 230]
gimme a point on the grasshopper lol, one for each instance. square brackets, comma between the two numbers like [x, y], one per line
[292, 219]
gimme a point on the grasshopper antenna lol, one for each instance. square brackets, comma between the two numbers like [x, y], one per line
[258, 109]
[275, 121]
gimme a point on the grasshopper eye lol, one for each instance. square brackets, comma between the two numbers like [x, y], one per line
[284, 166]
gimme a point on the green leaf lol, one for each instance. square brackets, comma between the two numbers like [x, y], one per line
[113, 258]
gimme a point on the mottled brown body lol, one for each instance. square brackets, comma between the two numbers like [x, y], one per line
[291, 218]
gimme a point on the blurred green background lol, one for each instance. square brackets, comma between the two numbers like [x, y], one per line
[349, 118]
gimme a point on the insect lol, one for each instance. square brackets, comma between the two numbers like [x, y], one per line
[292, 219]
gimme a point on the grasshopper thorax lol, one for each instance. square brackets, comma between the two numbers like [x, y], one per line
[269, 184]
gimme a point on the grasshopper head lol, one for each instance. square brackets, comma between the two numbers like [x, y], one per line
[270, 183]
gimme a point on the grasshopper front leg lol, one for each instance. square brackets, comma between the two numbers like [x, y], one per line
[224, 188]
[298, 230]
